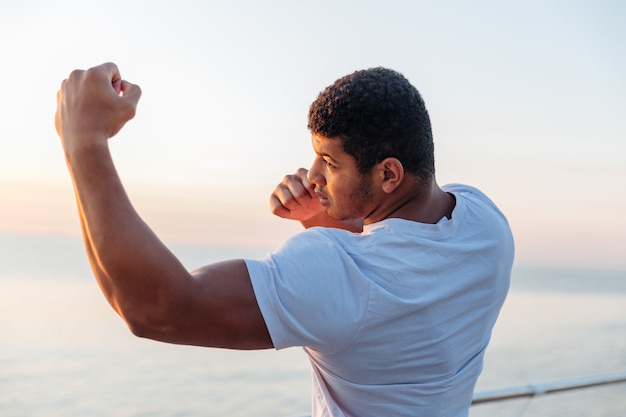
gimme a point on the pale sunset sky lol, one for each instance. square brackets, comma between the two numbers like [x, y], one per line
[527, 101]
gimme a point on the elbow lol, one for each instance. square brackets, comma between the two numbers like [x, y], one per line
[139, 328]
[146, 325]
[150, 329]
[150, 317]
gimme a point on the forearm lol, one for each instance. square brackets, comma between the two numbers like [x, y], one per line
[322, 219]
[136, 272]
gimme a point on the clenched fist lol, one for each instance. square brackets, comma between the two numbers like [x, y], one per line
[93, 105]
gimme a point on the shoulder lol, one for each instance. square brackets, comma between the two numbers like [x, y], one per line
[318, 240]
[472, 196]
[479, 216]
[308, 282]
[466, 190]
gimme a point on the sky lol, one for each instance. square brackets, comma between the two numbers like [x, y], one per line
[527, 102]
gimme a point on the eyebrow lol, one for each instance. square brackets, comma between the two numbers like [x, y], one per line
[325, 155]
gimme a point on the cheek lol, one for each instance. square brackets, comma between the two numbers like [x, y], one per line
[362, 192]
[337, 185]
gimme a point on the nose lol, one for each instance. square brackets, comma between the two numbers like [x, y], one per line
[315, 175]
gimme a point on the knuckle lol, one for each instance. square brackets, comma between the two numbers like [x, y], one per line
[273, 208]
[76, 74]
[299, 193]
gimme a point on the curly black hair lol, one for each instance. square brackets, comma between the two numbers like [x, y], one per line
[377, 114]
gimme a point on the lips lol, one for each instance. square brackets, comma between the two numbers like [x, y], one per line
[322, 199]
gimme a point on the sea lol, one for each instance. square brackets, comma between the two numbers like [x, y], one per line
[65, 353]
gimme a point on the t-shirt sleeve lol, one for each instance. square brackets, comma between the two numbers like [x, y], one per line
[310, 292]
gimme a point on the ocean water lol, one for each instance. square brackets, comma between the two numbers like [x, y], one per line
[64, 352]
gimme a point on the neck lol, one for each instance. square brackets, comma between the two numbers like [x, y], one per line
[421, 201]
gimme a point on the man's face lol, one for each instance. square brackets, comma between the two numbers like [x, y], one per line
[341, 189]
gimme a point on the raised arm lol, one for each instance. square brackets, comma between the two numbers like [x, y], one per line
[142, 280]
[294, 198]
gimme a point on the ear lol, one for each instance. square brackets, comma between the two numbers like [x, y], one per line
[393, 174]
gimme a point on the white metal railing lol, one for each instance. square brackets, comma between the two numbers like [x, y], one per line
[541, 388]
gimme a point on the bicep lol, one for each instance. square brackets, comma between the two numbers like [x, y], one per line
[218, 308]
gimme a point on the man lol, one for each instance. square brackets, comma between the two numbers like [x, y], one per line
[393, 298]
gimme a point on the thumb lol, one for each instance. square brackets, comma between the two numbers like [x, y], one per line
[131, 92]
[117, 86]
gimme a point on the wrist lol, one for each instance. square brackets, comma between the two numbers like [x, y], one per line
[80, 147]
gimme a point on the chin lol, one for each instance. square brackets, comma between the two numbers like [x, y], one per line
[341, 217]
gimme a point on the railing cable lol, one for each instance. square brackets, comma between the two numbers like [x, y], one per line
[542, 388]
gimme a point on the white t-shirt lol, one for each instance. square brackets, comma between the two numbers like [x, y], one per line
[396, 319]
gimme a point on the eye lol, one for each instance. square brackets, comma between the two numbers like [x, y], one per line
[329, 164]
